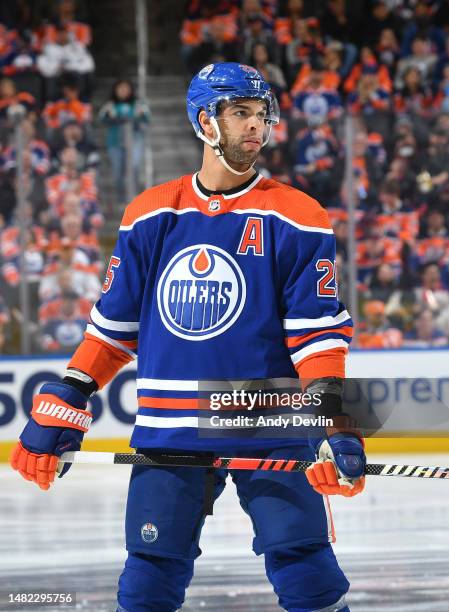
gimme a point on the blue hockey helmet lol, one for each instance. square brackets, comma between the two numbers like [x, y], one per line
[225, 81]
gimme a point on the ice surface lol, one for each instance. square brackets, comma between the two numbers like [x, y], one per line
[393, 543]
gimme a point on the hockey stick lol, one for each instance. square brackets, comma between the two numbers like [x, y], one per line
[243, 463]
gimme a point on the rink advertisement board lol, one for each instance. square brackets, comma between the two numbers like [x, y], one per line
[114, 407]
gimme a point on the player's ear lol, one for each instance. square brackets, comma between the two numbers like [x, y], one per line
[206, 124]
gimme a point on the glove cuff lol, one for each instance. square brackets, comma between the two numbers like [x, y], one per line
[346, 425]
[67, 393]
[51, 411]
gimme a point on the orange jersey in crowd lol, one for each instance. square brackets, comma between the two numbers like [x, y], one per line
[384, 338]
[58, 185]
[350, 85]
[403, 225]
[22, 98]
[331, 79]
[435, 249]
[81, 32]
[196, 31]
[53, 310]
[385, 250]
[56, 114]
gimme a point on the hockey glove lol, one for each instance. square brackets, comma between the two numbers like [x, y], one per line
[58, 422]
[340, 467]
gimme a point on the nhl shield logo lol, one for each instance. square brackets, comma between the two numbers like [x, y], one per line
[201, 292]
[149, 532]
[214, 205]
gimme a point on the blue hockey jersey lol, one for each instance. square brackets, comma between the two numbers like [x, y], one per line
[231, 286]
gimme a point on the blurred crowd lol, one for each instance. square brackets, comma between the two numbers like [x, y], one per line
[46, 85]
[386, 64]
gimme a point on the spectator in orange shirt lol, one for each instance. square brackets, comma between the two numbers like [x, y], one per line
[289, 14]
[210, 35]
[15, 103]
[368, 64]
[66, 56]
[65, 15]
[372, 103]
[69, 179]
[395, 218]
[68, 108]
[332, 64]
[376, 331]
[376, 249]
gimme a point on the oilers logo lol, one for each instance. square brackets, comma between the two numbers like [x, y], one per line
[149, 532]
[201, 292]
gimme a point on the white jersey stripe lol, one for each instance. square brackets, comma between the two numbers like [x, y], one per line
[91, 329]
[238, 211]
[317, 347]
[101, 321]
[316, 323]
[159, 211]
[167, 385]
[159, 384]
[166, 422]
[275, 213]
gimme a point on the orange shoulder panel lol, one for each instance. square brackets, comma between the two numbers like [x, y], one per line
[291, 203]
[160, 196]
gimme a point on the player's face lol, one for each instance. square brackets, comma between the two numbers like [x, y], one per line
[242, 125]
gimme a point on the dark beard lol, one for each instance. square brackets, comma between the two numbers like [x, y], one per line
[234, 153]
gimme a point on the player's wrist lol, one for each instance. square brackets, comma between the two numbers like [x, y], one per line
[80, 381]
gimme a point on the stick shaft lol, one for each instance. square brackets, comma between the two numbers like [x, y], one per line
[243, 463]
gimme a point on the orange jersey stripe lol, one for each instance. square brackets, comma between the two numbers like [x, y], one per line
[129, 344]
[319, 365]
[170, 403]
[295, 340]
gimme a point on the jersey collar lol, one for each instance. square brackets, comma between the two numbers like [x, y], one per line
[227, 194]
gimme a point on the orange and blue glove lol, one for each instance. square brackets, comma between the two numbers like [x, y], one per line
[340, 465]
[58, 422]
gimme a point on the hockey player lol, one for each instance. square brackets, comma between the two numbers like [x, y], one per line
[223, 275]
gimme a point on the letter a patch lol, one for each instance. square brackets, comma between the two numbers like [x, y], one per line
[252, 237]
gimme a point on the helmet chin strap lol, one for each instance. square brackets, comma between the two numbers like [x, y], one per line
[215, 144]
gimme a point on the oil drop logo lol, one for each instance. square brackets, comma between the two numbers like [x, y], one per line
[201, 292]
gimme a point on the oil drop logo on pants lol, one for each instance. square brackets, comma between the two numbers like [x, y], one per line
[201, 292]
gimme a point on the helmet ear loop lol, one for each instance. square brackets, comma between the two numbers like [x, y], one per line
[215, 142]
